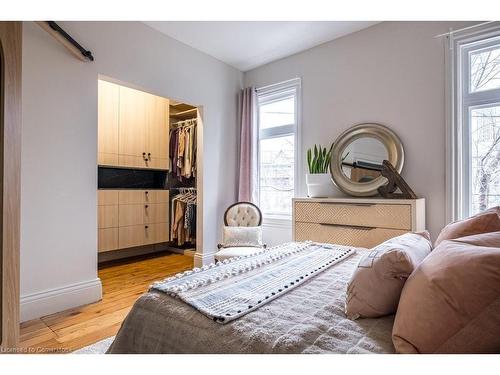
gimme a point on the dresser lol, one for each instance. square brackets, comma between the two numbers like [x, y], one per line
[361, 222]
[130, 218]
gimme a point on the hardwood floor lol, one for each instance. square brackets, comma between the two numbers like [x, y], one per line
[122, 284]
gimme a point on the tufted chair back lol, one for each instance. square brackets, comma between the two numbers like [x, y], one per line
[243, 214]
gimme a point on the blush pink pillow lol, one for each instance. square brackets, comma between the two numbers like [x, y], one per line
[484, 222]
[451, 302]
[376, 283]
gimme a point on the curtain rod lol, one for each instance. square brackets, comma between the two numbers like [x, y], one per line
[277, 84]
[451, 32]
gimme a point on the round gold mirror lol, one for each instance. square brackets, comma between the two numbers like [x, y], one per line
[357, 158]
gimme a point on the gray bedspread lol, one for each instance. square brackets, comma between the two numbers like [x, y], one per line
[308, 319]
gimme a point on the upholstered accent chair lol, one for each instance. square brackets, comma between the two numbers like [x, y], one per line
[240, 214]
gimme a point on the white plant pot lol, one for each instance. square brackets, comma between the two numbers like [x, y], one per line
[320, 185]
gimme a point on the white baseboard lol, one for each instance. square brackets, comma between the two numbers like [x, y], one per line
[47, 302]
[202, 259]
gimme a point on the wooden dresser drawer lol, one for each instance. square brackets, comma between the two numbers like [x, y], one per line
[131, 214]
[107, 239]
[156, 213]
[134, 235]
[139, 235]
[390, 216]
[143, 196]
[107, 216]
[157, 233]
[107, 197]
[344, 235]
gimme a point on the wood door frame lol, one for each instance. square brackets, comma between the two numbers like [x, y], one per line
[10, 177]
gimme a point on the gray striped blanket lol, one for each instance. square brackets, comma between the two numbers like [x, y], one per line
[228, 290]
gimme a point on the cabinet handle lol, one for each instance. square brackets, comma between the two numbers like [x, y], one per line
[146, 206]
[350, 204]
[146, 227]
[146, 192]
[347, 226]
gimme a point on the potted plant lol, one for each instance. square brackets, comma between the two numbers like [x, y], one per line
[318, 180]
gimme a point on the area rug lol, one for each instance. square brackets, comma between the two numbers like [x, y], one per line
[99, 347]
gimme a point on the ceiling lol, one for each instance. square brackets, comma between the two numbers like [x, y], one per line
[249, 44]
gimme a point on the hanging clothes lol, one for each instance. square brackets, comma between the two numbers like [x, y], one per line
[182, 151]
[172, 151]
[183, 217]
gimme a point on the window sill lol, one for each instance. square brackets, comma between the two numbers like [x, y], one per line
[277, 221]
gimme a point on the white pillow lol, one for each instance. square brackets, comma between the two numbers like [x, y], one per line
[242, 237]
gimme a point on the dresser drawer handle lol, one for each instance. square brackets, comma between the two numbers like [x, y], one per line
[347, 226]
[350, 204]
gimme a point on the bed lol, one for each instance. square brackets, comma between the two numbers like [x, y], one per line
[309, 318]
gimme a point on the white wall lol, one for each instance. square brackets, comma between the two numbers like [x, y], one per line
[392, 73]
[59, 175]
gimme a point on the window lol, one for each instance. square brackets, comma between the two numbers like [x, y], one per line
[477, 122]
[277, 148]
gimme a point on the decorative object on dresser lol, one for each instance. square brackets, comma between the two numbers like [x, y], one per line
[318, 180]
[357, 157]
[394, 181]
[361, 222]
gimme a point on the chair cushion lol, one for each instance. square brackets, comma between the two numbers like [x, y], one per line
[231, 252]
[376, 284]
[451, 302]
[243, 215]
[242, 237]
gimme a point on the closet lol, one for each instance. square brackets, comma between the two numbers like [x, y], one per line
[147, 147]
[133, 128]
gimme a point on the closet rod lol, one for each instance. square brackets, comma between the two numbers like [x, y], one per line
[183, 122]
[62, 36]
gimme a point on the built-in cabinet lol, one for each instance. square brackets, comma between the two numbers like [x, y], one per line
[133, 135]
[133, 128]
[130, 218]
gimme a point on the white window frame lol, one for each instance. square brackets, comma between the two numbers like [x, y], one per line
[270, 94]
[459, 102]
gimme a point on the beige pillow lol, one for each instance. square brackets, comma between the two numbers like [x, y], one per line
[376, 283]
[451, 302]
[242, 237]
[483, 222]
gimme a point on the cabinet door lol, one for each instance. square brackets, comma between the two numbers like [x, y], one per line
[133, 124]
[131, 214]
[107, 197]
[107, 123]
[156, 213]
[132, 236]
[134, 196]
[107, 216]
[156, 233]
[107, 239]
[157, 109]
